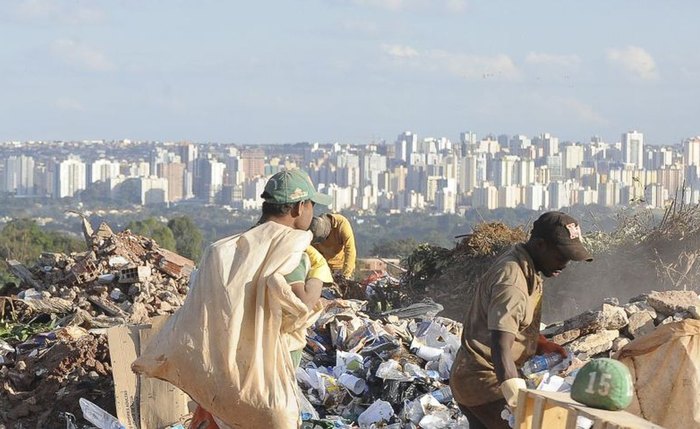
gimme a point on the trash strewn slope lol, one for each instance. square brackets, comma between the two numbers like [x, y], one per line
[378, 355]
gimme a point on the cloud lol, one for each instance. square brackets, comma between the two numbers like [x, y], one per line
[57, 10]
[383, 4]
[473, 66]
[466, 66]
[456, 5]
[634, 60]
[539, 58]
[584, 112]
[362, 27]
[69, 104]
[400, 51]
[398, 5]
[83, 56]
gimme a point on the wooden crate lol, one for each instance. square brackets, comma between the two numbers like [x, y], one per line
[554, 410]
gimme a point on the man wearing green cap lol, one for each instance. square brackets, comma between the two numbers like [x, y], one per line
[289, 199]
[502, 322]
[288, 203]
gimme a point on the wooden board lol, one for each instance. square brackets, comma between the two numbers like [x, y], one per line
[553, 410]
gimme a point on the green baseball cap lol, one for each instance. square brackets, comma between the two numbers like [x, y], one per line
[292, 186]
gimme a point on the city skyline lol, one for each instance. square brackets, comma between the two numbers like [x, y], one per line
[409, 174]
[349, 71]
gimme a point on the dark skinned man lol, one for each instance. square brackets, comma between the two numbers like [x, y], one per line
[501, 325]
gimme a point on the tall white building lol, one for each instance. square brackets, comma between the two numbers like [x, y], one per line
[691, 151]
[406, 144]
[536, 197]
[154, 190]
[19, 175]
[103, 169]
[485, 196]
[504, 173]
[633, 148]
[572, 157]
[559, 195]
[70, 177]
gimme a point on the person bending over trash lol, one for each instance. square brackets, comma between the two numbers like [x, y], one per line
[333, 237]
[502, 322]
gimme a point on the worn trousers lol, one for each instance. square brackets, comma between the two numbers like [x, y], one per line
[486, 416]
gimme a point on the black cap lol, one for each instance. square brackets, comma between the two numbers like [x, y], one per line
[564, 232]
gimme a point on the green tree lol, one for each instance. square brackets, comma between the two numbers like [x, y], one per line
[188, 237]
[395, 248]
[154, 229]
[24, 240]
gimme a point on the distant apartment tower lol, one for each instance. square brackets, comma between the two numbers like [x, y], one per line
[548, 144]
[633, 148]
[69, 177]
[691, 151]
[691, 156]
[406, 144]
[102, 169]
[175, 173]
[153, 190]
[19, 175]
[504, 170]
[253, 163]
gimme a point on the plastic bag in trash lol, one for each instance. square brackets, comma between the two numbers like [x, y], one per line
[379, 411]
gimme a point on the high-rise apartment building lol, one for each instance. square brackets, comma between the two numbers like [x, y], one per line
[19, 175]
[102, 169]
[69, 177]
[175, 173]
[633, 148]
[253, 163]
[691, 151]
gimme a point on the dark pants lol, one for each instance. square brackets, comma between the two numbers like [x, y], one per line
[486, 416]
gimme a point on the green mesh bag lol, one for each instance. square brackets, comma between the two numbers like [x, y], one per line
[603, 383]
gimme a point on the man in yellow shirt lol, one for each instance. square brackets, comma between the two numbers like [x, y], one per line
[333, 237]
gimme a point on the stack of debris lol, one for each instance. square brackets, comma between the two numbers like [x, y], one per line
[122, 278]
[608, 329]
[48, 359]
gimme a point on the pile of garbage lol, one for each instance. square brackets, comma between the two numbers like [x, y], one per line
[53, 350]
[390, 371]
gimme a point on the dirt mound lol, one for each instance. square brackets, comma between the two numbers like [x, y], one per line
[49, 380]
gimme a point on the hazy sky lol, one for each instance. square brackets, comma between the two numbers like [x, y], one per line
[351, 71]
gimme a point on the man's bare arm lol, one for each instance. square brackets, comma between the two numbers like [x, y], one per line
[501, 345]
[309, 292]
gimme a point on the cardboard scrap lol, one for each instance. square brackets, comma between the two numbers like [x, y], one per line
[142, 402]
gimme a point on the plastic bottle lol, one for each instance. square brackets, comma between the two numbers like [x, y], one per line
[541, 363]
[443, 395]
[98, 417]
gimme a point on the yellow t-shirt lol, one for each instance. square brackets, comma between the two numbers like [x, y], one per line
[339, 248]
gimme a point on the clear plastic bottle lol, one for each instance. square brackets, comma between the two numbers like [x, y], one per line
[98, 417]
[541, 363]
